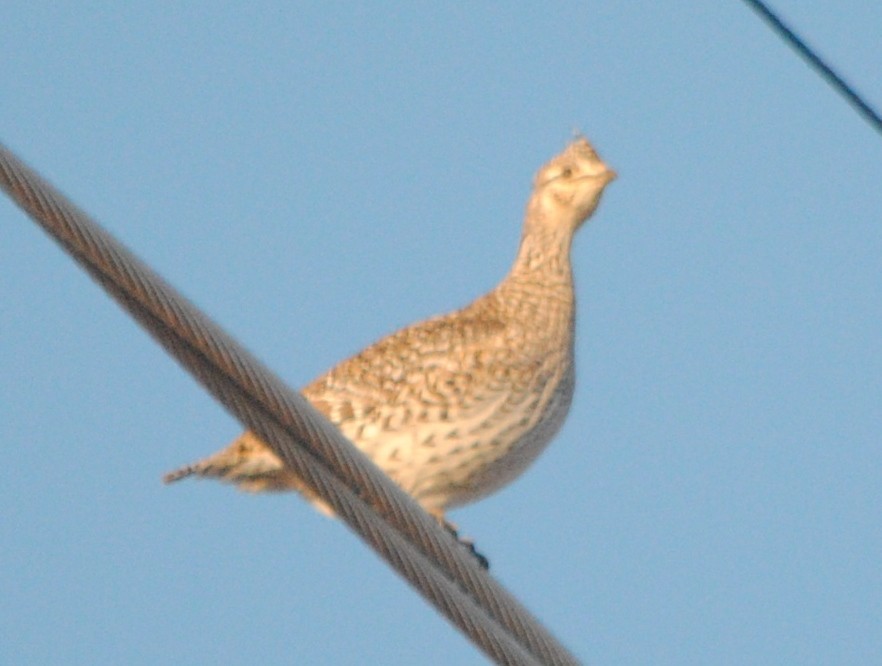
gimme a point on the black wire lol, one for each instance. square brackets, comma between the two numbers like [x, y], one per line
[842, 86]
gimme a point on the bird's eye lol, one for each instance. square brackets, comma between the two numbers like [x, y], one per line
[566, 173]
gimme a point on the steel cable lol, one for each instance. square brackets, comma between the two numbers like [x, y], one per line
[388, 519]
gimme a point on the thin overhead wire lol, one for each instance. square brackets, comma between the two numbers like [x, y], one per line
[839, 84]
[388, 519]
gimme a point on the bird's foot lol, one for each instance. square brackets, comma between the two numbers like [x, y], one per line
[467, 543]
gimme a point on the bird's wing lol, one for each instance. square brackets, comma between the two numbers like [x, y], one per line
[417, 374]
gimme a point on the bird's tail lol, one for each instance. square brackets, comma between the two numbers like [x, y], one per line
[250, 465]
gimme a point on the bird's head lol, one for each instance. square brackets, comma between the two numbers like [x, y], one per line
[567, 189]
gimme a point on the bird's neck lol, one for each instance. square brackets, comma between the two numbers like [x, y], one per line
[539, 288]
[544, 253]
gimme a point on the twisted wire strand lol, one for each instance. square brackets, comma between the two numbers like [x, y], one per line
[383, 515]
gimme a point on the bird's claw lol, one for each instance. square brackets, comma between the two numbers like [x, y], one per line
[468, 544]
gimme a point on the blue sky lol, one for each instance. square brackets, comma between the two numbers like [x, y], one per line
[315, 177]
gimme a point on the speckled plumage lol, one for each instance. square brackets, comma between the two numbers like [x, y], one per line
[456, 406]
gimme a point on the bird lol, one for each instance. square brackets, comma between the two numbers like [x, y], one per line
[456, 406]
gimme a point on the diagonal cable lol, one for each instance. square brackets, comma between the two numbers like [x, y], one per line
[383, 515]
[815, 61]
